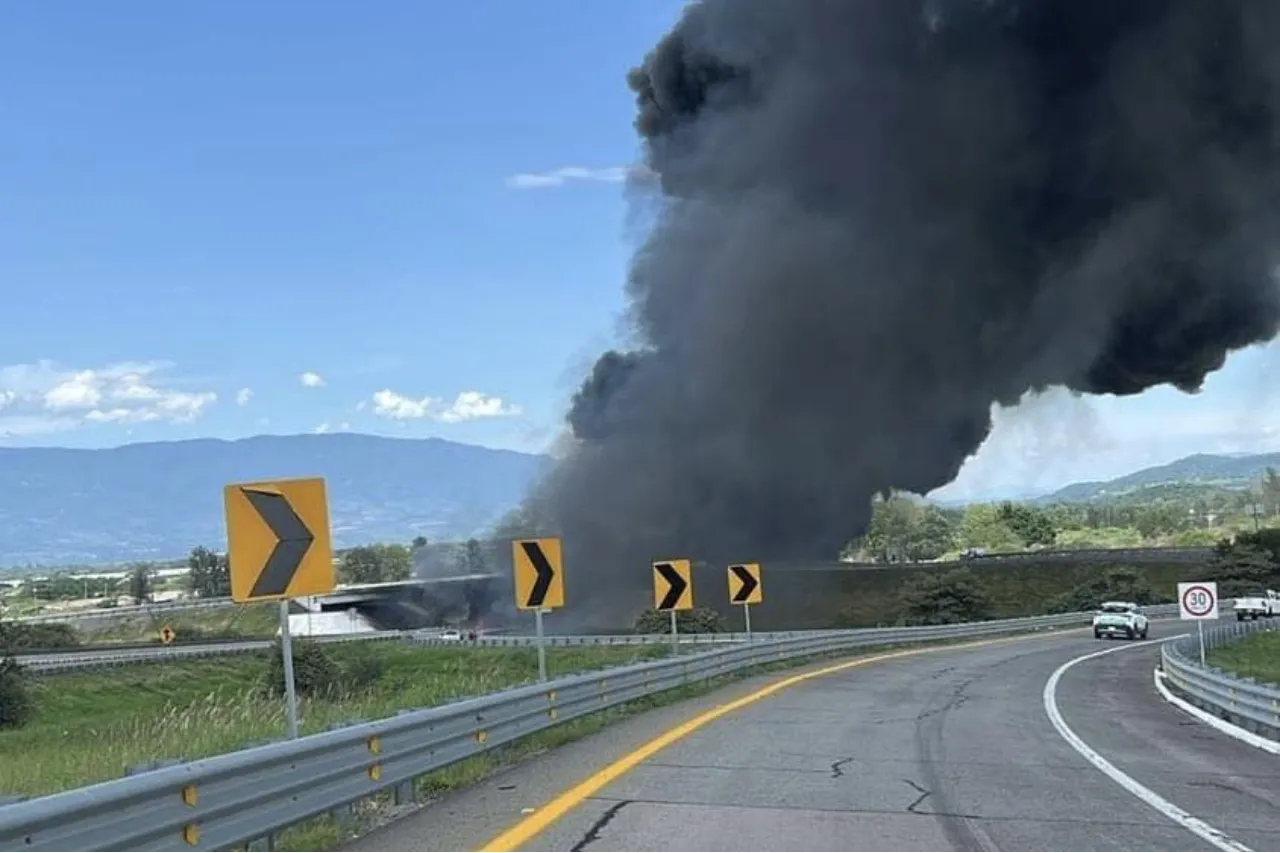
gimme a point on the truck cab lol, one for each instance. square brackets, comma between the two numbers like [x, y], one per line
[1262, 605]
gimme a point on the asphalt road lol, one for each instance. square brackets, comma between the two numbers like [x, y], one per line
[85, 658]
[950, 750]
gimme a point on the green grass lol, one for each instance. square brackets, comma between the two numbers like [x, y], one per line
[1101, 537]
[248, 620]
[90, 726]
[1253, 656]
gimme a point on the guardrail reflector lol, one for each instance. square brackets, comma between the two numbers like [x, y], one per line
[375, 744]
[191, 834]
[190, 795]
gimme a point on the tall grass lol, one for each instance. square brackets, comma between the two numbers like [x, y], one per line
[1255, 655]
[91, 726]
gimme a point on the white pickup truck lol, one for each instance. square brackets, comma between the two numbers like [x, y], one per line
[1260, 606]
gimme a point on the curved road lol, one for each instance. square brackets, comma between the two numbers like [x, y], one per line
[948, 750]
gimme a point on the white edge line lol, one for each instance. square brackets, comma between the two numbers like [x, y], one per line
[1229, 729]
[1186, 820]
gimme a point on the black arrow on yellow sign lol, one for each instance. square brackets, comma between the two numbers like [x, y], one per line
[676, 585]
[543, 573]
[747, 581]
[293, 538]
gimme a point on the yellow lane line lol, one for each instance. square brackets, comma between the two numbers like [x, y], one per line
[543, 818]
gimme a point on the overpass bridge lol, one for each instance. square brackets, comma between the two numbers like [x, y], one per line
[394, 605]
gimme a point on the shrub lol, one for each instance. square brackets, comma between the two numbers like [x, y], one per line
[40, 635]
[362, 672]
[699, 620]
[16, 704]
[1118, 584]
[933, 598]
[315, 673]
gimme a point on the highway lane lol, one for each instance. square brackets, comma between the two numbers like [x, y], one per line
[951, 750]
[84, 658]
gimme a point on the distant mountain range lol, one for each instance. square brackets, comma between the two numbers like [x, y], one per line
[1236, 471]
[158, 500]
[62, 506]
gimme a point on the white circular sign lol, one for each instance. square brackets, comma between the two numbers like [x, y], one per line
[1198, 600]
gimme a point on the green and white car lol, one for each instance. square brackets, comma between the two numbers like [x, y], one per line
[1119, 619]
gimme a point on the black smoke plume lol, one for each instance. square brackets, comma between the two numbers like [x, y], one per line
[875, 218]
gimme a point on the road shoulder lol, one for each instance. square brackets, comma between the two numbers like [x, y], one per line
[467, 818]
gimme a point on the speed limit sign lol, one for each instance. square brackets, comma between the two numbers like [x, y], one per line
[1198, 600]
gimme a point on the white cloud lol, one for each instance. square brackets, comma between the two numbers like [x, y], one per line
[243, 396]
[469, 405]
[79, 392]
[326, 427]
[389, 404]
[311, 379]
[45, 397]
[565, 174]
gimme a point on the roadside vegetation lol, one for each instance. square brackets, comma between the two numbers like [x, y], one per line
[1255, 655]
[90, 726]
[1248, 562]
[907, 528]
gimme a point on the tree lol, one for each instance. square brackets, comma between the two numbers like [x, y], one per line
[473, 561]
[16, 703]
[1271, 492]
[983, 527]
[397, 562]
[1244, 566]
[934, 598]
[1030, 525]
[209, 575]
[360, 565]
[375, 564]
[934, 535]
[141, 582]
[892, 528]
[1122, 583]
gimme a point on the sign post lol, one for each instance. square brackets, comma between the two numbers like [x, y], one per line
[278, 547]
[1198, 600]
[673, 591]
[538, 567]
[745, 589]
[290, 688]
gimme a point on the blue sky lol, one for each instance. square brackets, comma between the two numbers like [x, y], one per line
[416, 203]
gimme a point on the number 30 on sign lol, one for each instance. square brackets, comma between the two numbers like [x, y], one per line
[1198, 600]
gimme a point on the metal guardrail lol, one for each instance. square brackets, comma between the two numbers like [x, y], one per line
[229, 800]
[73, 659]
[126, 610]
[1252, 705]
[1158, 554]
[76, 659]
